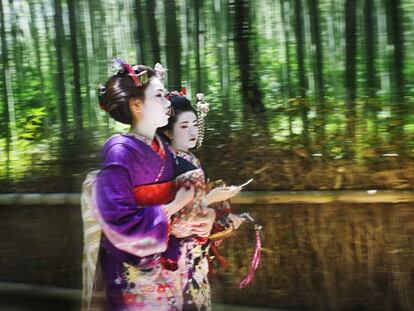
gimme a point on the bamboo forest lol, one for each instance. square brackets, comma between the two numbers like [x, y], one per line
[307, 97]
[312, 86]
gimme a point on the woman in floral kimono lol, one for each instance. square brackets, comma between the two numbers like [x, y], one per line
[134, 194]
[192, 225]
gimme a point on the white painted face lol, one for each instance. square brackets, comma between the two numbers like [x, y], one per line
[185, 131]
[155, 109]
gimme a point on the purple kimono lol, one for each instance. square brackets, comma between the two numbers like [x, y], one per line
[134, 236]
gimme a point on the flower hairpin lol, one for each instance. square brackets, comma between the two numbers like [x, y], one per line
[160, 71]
[118, 63]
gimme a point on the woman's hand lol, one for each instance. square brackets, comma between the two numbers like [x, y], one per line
[182, 198]
[221, 194]
[235, 220]
[200, 227]
[181, 230]
[204, 224]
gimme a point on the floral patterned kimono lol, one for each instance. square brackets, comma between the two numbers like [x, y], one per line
[126, 197]
[193, 260]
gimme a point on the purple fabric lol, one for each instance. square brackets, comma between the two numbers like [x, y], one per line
[173, 251]
[127, 163]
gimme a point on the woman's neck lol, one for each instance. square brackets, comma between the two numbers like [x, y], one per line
[143, 130]
[180, 148]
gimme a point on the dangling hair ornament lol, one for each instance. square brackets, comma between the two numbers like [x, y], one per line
[202, 109]
[159, 69]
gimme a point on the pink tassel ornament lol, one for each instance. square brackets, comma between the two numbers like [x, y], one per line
[255, 260]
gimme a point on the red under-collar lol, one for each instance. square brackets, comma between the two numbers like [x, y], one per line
[157, 148]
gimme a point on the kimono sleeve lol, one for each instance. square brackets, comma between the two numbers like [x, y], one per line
[138, 230]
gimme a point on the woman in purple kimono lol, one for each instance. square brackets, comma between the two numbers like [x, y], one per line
[135, 194]
[192, 225]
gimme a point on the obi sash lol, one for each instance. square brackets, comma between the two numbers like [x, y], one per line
[159, 193]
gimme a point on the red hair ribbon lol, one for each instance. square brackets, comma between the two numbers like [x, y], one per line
[132, 74]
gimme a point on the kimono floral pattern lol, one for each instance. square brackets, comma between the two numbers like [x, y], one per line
[193, 264]
[150, 289]
[196, 286]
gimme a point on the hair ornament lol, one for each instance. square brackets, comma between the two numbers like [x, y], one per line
[202, 110]
[182, 92]
[143, 77]
[102, 92]
[133, 74]
[118, 64]
[102, 89]
[202, 106]
[160, 70]
[139, 79]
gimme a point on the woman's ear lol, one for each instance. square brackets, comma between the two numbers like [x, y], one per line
[135, 106]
